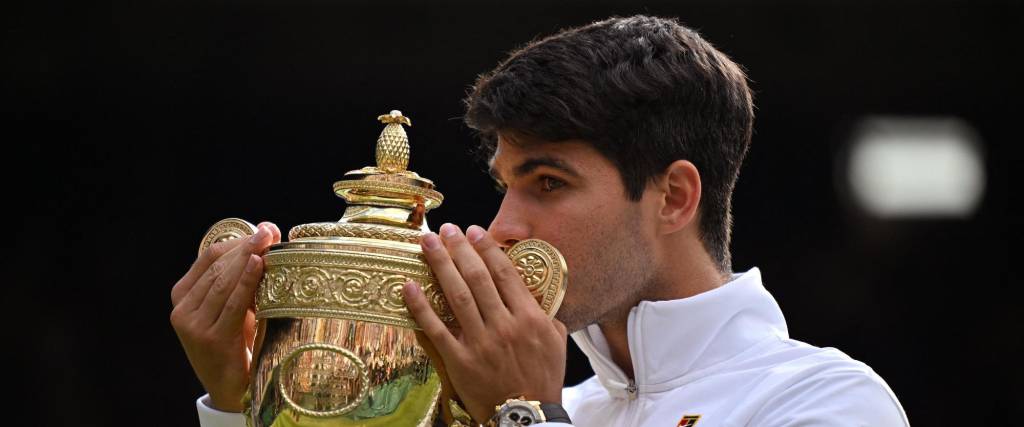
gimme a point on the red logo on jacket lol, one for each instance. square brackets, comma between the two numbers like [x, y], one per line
[688, 421]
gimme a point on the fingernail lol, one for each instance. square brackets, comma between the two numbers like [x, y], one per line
[449, 230]
[412, 288]
[254, 261]
[474, 233]
[431, 241]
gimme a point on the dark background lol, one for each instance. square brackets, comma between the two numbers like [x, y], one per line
[130, 127]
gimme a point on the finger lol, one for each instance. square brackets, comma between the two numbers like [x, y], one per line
[201, 264]
[506, 278]
[432, 326]
[194, 298]
[562, 330]
[243, 295]
[207, 258]
[475, 273]
[222, 276]
[459, 297]
[224, 285]
[276, 232]
[249, 325]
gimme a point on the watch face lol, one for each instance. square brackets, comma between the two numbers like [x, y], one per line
[518, 413]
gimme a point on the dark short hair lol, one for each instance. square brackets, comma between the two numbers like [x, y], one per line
[644, 91]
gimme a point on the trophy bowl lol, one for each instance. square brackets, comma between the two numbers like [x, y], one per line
[335, 344]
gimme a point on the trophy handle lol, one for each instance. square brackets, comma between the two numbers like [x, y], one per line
[543, 271]
[294, 374]
[224, 230]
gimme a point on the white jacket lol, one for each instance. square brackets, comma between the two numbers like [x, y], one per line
[725, 356]
[722, 358]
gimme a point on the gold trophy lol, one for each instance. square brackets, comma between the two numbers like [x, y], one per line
[335, 344]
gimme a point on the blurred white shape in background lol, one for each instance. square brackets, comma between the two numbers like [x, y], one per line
[916, 167]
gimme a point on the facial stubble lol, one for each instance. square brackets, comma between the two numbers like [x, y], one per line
[612, 275]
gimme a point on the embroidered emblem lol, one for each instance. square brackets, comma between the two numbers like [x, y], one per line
[688, 421]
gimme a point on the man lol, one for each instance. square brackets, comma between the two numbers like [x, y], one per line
[620, 143]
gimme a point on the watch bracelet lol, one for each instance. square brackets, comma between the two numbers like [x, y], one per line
[555, 413]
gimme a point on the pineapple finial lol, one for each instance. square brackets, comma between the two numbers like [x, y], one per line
[393, 143]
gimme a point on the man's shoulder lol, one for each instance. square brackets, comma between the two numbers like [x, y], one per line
[797, 359]
[807, 382]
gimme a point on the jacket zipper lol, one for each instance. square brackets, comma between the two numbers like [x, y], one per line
[632, 411]
[634, 344]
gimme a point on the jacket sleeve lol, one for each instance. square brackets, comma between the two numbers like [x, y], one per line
[209, 417]
[837, 399]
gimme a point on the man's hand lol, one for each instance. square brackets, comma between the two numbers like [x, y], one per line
[213, 314]
[505, 345]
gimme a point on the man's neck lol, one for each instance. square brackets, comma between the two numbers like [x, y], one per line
[616, 334]
[687, 283]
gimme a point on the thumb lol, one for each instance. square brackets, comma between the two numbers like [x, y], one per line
[562, 330]
[249, 329]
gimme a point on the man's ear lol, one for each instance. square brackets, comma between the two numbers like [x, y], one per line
[679, 188]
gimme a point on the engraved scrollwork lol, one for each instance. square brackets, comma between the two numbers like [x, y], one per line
[351, 284]
[311, 285]
[351, 288]
[372, 290]
[275, 285]
[391, 294]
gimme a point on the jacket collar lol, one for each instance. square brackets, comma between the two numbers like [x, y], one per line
[674, 342]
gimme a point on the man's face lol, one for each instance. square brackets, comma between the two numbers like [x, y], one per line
[571, 196]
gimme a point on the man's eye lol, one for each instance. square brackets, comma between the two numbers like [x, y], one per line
[501, 189]
[551, 184]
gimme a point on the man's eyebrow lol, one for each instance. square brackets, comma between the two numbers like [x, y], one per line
[531, 164]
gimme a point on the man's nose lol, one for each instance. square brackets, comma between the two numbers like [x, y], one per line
[510, 223]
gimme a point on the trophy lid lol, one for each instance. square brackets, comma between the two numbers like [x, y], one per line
[390, 183]
[386, 201]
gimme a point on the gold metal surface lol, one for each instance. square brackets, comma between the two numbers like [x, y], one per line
[369, 231]
[459, 415]
[393, 143]
[306, 373]
[226, 229]
[385, 193]
[339, 281]
[315, 377]
[543, 271]
[335, 344]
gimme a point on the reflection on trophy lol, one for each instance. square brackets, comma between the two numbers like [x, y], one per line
[335, 344]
